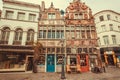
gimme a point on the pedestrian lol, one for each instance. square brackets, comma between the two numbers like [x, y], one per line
[103, 66]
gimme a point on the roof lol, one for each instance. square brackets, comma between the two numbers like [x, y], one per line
[21, 3]
[106, 11]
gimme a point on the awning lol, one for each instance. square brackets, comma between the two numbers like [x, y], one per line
[16, 50]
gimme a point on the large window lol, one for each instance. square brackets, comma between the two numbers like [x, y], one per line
[30, 35]
[58, 34]
[32, 17]
[114, 39]
[101, 18]
[18, 34]
[5, 34]
[21, 16]
[49, 34]
[51, 16]
[106, 40]
[9, 14]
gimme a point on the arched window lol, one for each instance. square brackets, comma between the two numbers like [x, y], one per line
[5, 33]
[18, 34]
[30, 35]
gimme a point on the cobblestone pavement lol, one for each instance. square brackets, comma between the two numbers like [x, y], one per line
[111, 74]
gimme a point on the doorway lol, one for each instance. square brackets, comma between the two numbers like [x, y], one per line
[29, 63]
[110, 59]
[50, 63]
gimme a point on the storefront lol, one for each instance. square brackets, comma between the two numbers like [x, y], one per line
[110, 58]
[77, 63]
[15, 58]
[50, 62]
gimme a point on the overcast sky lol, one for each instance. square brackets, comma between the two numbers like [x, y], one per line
[95, 5]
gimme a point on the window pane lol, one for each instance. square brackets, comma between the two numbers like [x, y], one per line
[32, 17]
[21, 16]
[114, 39]
[106, 40]
[9, 14]
[101, 18]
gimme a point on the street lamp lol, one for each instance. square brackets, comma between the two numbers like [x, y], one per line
[62, 68]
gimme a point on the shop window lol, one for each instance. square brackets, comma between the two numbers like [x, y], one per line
[73, 61]
[12, 61]
[83, 60]
[41, 60]
[59, 58]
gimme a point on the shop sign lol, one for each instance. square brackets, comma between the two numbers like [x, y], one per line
[108, 52]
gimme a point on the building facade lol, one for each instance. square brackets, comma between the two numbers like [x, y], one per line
[18, 28]
[108, 30]
[71, 38]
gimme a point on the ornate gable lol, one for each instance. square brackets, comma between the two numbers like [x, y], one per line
[78, 13]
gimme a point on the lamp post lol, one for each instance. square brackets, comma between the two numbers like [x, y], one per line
[62, 67]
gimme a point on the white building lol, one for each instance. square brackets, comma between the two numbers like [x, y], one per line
[18, 27]
[108, 31]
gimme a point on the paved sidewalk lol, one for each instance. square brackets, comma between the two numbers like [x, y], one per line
[111, 74]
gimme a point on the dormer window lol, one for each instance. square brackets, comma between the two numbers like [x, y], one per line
[51, 16]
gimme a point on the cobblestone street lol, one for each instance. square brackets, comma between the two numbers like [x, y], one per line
[111, 74]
